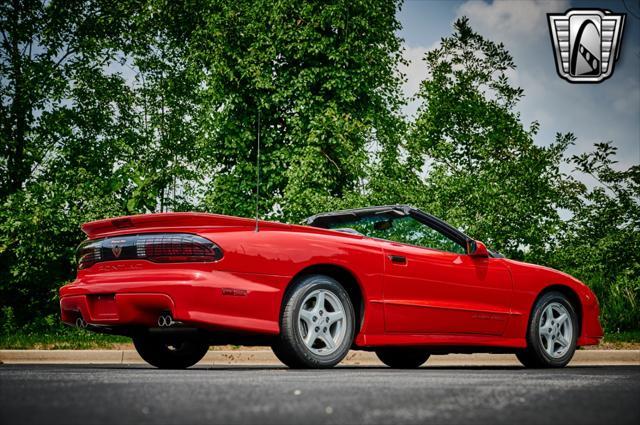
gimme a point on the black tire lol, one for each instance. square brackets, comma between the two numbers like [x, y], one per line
[535, 355]
[527, 359]
[402, 358]
[289, 347]
[167, 352]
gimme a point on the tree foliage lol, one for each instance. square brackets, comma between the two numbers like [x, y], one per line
[601, 243]
[321, 75]
[483, 170]
[65, 126]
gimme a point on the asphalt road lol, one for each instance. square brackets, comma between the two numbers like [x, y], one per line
[138, 394]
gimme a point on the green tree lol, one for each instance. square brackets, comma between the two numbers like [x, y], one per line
[601, 243]
[66, 123]
[478, 165]
[322, 74]
[167, 172]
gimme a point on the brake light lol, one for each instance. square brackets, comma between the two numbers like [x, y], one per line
[156, 247]
[122, 223]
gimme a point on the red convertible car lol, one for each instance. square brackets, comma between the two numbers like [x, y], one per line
[388, 279]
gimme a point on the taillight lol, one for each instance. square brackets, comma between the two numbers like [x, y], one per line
[157, 247]
[176, 248]
[89, 253]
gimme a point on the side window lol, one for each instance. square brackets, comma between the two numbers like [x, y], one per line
[404, 230]
[410, 231]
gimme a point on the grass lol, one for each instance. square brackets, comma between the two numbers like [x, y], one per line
[76, 339]
[620, 341]
[66, 339]
[623, 337]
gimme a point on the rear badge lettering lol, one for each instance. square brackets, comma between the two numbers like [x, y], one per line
[486, 316]
[118, 268]
[232, 292]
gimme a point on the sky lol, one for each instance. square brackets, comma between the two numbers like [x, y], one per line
[608, 111]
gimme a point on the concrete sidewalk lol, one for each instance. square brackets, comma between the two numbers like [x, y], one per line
[266, 357]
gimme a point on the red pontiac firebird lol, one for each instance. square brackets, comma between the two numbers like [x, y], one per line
[388, 279]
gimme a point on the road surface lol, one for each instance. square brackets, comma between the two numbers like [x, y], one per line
[84, 394]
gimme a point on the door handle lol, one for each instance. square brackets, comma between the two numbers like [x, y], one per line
[398, 259]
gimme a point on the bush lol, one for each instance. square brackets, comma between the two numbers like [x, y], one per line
[619, 303]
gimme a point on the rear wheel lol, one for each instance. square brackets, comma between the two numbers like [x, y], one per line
[402, 358]
[317, 324]
[169, 352]
[552, 334]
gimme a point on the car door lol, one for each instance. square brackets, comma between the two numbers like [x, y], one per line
[443, 291]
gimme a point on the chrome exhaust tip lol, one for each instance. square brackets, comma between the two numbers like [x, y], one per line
[81, 323]
[165, 321]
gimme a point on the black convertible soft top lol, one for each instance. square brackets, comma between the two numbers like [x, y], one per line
[331, 219]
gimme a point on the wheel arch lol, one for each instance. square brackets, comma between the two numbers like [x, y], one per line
[344, 276]
[568, 292]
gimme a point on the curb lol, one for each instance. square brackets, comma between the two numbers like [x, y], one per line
[266, 357]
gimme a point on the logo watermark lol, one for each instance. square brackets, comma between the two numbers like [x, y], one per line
[587, 43]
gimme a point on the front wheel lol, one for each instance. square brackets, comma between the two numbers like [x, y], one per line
[402, 358]
[169, 352]
[552, 334]
[317, 324]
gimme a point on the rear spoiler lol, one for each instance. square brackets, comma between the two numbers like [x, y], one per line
[168, 221]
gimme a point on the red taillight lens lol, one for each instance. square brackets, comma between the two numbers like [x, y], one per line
[157, 247]
[89, 253]
[176, 248]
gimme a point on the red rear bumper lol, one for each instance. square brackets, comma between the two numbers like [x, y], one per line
[116, 309]
[196, 297]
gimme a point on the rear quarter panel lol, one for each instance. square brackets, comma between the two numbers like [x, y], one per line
[275, 253]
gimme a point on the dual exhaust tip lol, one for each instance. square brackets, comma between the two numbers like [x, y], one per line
[81, 323]
[164, 321]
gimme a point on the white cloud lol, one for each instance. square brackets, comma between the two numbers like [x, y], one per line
[595, 113]
[500, 21]
[626, 96]
[504, 20]
[415, 72]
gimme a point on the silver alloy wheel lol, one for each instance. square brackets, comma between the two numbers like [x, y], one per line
[321, 322]
[555, 330]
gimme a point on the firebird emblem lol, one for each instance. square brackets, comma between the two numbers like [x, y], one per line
[117, 249]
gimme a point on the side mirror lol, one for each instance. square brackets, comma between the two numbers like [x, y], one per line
[478, 249]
